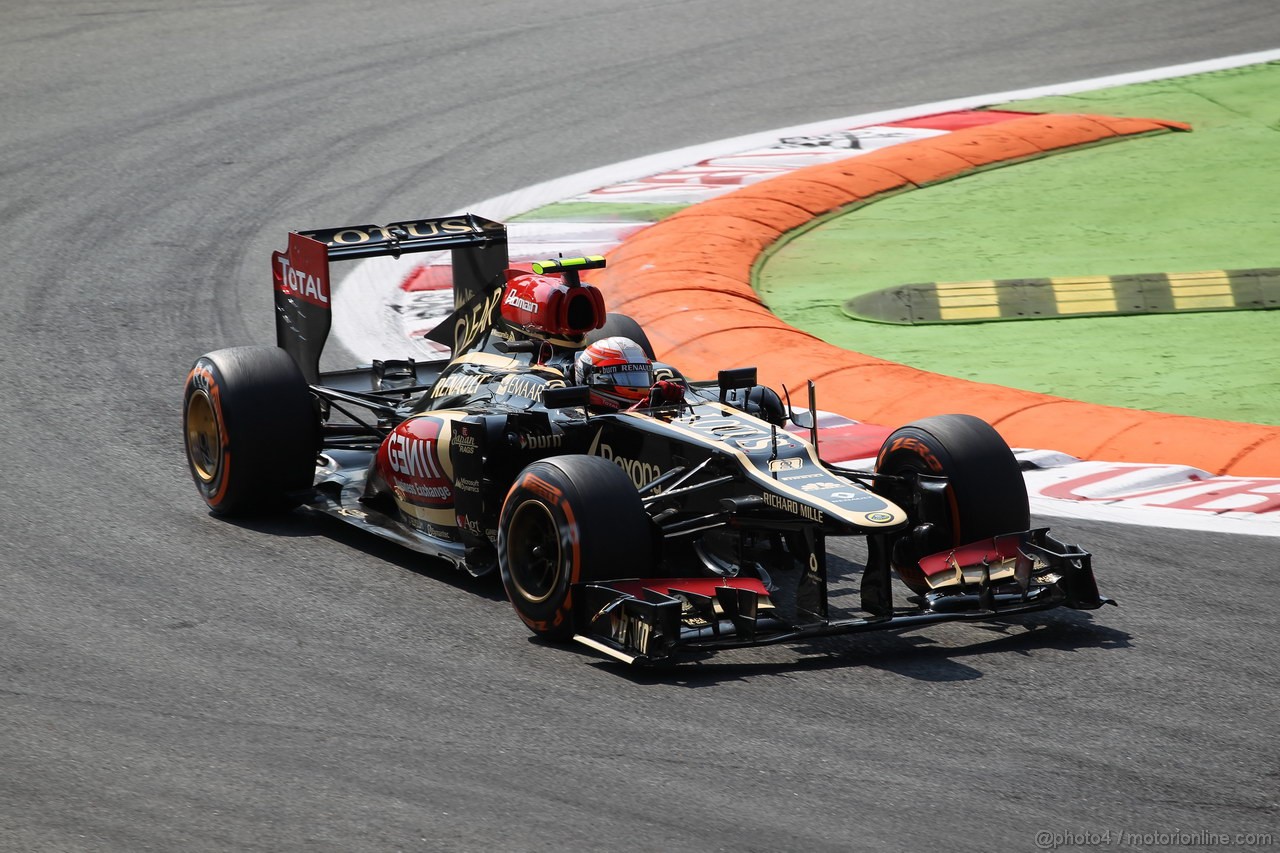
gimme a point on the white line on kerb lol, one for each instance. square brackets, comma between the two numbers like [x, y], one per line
[523, 200]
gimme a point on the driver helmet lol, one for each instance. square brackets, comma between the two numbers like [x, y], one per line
[617, 371]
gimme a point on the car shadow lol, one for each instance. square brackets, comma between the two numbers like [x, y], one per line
[914, 655]
[305, 524]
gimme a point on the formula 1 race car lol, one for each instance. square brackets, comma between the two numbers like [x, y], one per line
[641, 513]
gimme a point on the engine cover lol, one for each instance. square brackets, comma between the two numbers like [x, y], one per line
[549, 308]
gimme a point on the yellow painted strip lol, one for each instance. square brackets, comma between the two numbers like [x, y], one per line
[1071, 296]
[1211, 289]
[1090, 294]
[967, 300]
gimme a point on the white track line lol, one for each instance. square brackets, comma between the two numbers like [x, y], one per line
[521, 201]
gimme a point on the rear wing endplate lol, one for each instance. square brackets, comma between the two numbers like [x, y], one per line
[301, 272]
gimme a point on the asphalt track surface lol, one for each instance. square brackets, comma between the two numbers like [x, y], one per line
[171, 681]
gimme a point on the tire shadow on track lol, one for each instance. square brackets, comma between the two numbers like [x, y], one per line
[303, 524]
[916, 656]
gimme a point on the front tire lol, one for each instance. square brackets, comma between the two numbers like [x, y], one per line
[985, 496]
[568, 520]
[251, 430]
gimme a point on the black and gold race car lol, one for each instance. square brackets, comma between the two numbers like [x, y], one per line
[669, 518]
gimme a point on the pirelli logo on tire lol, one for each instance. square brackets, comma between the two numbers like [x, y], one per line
[542, 489]
[1074, 296]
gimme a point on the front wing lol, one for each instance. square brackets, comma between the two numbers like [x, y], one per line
[641, 621]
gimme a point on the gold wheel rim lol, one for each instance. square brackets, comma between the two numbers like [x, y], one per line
[204, 439]
[533, 546]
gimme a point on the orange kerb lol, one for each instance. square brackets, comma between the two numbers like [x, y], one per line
[687, 280]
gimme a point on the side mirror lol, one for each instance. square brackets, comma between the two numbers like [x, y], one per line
[566, 398]
[735, 380]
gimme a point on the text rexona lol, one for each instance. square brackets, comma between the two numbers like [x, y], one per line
[641, 473]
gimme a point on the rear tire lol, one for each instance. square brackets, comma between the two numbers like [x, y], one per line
[568, 520]
[251, 430]
[624, 326]
[986, 495]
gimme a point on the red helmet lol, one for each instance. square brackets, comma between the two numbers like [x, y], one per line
[616, 370]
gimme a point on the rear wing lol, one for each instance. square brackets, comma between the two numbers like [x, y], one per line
[301, 274]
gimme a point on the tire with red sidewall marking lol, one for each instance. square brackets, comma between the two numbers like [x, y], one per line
[986, 495]
[251, 430]
[567, 520]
